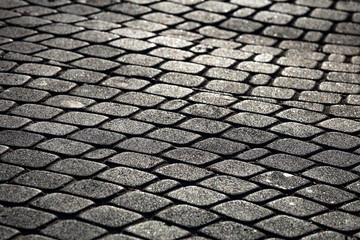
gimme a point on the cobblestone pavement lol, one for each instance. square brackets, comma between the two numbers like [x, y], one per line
[179, 119]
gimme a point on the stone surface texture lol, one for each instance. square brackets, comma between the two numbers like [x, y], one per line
[179, 119]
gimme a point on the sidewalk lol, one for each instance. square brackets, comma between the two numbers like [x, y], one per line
[179, 119]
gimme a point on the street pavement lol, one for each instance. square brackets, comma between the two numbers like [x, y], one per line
[179, 119]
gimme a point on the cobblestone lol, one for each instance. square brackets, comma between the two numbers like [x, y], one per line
[110, 216]
[73, 229]
[116, 115]
[281, 224]
[187, 216]
[93, 189]
[165, 231]
[231, 230]
[25, 218]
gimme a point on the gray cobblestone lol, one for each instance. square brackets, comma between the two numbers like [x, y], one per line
[126, 176]
[281, 180]
[183, 172]
[248, 109]
[42, 179]
[281, 224]
[231, 230]
[304, 207]
[76, 167]
[165, 231]
[63, 203]
[187, 216]
[25, 218]
[141, 202]
[110, 216]
[242, 210]
[326, 194]
[286, 162]
[92, 189]
[73, 229]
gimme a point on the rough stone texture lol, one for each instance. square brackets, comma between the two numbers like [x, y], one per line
[179, 119]
[25, 218]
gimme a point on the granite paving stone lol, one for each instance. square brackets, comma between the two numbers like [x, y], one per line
[184, 172]
[164, 231]
[139, 99]
[29, 158]
[338, 220]
[81, 119]
[285, 162]
[187, 216]
[69, 102]
[92, 189]
[36, 111]
[197, 196]
[242, 210]
[99, 154]
[136, 160]
[252, 120]
[43, 179]
[231, 230]
[97, 136]
[143, 145]
[249, 135]
[7, 232]
[326, 194]
[337, 140]
[113, 109]
[330, 175]
[281, 180]
[126, 176]
[229, 185]
[24, 94]
[294, 146]
[51, 128]
[52, 85]
[206, 111]
[212, 98]
[73, 229]
[110, 216]
[9, 171]
[76, 167]
[263, 195]
[227, 74]
[296, 206]
[220, 146]
[227, 87]
[9, 193]
[62, 203]
[64, 146]
[336, 158]
[118, 236]
[325, 234]
[13, 122]
[125, 83]
[281, 224]
[236, 168]
[159, 117]
[96, 92]
[17, 138]
[25, 218]
[179, 119]
[173, 135]
[162, 186]
[256, 107]
[142, 202]
[297, 130]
